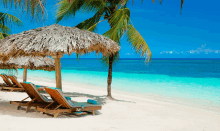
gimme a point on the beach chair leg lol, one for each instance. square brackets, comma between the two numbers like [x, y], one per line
[36, 109]
[56, 114]
[28, 108]
[93, 113]
[19, 107]
[12, 90]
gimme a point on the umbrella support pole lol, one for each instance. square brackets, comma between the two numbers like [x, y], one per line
[58, 71]
[25, 74]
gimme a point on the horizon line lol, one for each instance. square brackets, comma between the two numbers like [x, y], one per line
[154, 58]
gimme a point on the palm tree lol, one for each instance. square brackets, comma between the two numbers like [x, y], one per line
[117, 15]
[36, 8]
[6, 21]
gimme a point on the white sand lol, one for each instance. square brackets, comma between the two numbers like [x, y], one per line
[131, 113]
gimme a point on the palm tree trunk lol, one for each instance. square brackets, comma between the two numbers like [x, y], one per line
[109, 81]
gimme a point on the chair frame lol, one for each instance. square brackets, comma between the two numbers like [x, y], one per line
[37, 99]
[9, 85]
[63, 106]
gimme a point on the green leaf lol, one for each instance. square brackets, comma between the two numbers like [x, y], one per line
[1, 35]
[66, 9]
[138, 42]
[119, 23]
[10, 20]
[93, 27]
[5, 29]
[92, 22]
[35, 8]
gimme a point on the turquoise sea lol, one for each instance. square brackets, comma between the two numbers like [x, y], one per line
[192, 80]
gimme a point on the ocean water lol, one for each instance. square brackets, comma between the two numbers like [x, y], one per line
[189, 80]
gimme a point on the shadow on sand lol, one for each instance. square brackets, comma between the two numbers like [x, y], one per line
[7, 109]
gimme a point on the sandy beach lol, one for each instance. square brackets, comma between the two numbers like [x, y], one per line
[128, 113]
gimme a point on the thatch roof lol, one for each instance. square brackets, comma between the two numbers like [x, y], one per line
[7, 66]
[32, 63]
[55, 40]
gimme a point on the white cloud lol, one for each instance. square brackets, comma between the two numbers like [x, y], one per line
[202, 50]
[169, 52]
[129, 53]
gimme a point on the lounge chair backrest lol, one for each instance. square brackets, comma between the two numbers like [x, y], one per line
[14, 80]
[11, 80]
[57, 96]
[6, 80]
[32, 92]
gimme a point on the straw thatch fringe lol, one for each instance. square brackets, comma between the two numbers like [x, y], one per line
[32, 63]
[54, 40]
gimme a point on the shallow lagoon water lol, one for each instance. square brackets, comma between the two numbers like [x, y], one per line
[179, 79]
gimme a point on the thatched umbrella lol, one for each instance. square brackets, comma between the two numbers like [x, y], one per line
[55, 40]
[28, 62]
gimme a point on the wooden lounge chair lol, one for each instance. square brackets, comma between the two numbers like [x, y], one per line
[6, 80]
[10, 85]
[36, 98]
[15, 81]
[66, 106]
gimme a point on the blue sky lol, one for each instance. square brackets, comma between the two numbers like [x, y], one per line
[194, 34]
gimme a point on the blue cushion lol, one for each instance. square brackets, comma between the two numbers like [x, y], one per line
[68, 98]
[26, 82]
[78, 112]
[54, 88]
[3, 74]
[92, 101]
[37, 86]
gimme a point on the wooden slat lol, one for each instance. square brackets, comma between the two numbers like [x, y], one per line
[6, 80]
[13, 88]
[24, 103]
[14, 79]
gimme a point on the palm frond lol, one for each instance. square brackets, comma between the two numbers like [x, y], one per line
[10, 20]
[5, 29]
[93, 28]
[138, 42]
[1, 35]
[91, 23]
[119, 23]
[181, 7]
[67, 9]
[93, 5]
[35, 8]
